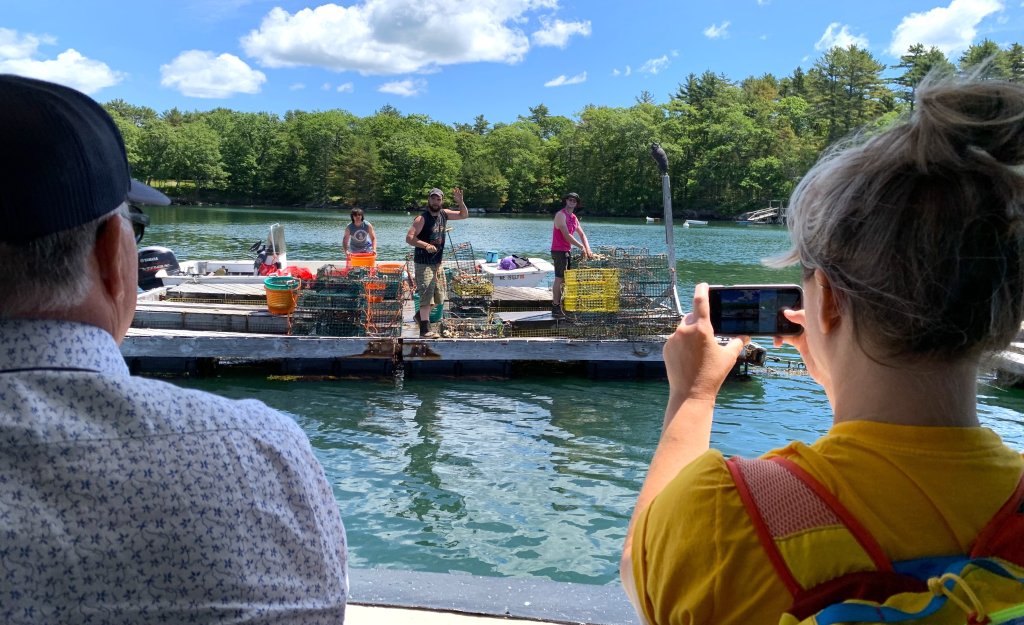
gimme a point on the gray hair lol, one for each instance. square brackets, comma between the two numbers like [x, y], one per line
[920, 228]
[47, 274]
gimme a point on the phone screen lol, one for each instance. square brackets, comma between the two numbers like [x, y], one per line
[754, 310]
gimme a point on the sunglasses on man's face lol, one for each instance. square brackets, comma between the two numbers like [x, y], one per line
[139, 221]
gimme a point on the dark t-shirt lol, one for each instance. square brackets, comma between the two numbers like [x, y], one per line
[433, 232]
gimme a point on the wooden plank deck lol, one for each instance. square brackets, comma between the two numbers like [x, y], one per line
[208, 329]
[205, 333]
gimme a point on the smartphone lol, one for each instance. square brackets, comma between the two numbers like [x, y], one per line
[755, 309]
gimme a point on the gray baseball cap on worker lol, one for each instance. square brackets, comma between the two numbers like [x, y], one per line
[62, 161]
[436, 191]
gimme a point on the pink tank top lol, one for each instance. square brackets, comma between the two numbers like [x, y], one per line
[558, 242]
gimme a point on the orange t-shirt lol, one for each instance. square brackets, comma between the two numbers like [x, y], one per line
[920, 491]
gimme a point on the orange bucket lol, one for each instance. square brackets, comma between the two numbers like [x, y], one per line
[391, 268]
[282, 294]
[362, 259]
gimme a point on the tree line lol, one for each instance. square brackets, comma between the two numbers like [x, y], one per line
[732, 145]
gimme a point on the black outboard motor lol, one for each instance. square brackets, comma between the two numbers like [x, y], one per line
[151, 260]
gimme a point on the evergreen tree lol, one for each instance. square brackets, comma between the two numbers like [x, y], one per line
[918, 63]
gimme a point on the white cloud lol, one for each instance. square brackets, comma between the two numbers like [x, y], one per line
[15, 46]
[950, 29]
[200, 74]
[296, 86]
[556, 33]
[625, 72]
[395, 36]
[345, 88]
[326, 86]
[762, 3]
[716, 31]
[561, 81]
[654, 66]
[405, 88]
[839, 35]
[19, 55]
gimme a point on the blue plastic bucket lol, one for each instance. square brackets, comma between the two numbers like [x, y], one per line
[491, 256]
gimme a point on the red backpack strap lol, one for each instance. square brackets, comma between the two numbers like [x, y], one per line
[1002, 536]
[783, 500]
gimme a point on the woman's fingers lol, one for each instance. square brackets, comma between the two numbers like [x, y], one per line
[701, 306]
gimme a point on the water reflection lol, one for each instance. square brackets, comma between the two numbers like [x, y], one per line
[430, 501]
[526, 477]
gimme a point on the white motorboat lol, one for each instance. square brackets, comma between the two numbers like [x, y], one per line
[532, 275]
[158, 267]
[234, 271]
[695, 222]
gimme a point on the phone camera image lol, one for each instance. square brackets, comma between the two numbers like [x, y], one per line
[755, 309]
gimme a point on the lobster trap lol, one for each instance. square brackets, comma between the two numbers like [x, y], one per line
[463, 258]
[645, 282]
[350, 301]
[619, 293]
[469, 290]
[473, 328]
[591, 290]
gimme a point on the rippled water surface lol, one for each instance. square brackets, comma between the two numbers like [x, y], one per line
[524, 477]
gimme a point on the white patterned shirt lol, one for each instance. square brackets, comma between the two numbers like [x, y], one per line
[127, 500]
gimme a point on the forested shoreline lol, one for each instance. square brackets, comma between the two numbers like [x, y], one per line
[733, 145]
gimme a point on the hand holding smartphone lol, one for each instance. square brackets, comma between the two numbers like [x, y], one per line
[754, 309]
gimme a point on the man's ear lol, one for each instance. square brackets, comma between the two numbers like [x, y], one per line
[829, 313]
[109, 257]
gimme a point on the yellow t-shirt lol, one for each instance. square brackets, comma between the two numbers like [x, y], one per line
[920, 491]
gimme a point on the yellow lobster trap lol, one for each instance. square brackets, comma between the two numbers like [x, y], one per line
[591, 290]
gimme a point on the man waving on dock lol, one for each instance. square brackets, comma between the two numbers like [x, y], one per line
[427, 235]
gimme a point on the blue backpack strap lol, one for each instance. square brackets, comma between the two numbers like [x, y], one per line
[851, 613]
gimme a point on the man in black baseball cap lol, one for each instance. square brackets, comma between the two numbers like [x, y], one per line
[62, 163]
[124, 499]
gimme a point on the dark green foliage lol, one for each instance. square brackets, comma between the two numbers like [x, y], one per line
[732, 145]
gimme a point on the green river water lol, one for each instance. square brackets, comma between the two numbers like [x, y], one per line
[528, 477]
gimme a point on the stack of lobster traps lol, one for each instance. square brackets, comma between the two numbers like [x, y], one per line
[645, 292]
[469, 312]
[619, 293]
[352, 301]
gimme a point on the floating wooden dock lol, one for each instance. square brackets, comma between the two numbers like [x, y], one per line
[229, 326]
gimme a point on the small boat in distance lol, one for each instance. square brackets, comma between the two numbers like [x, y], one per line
[652, 220]
[695, 222]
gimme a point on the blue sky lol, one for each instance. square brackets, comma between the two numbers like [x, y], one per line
[455, 59]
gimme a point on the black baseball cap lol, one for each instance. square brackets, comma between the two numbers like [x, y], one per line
[62, 161]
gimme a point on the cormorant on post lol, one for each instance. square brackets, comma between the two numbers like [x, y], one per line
[660, 157]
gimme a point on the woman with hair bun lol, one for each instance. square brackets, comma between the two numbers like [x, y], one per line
[910, 241]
